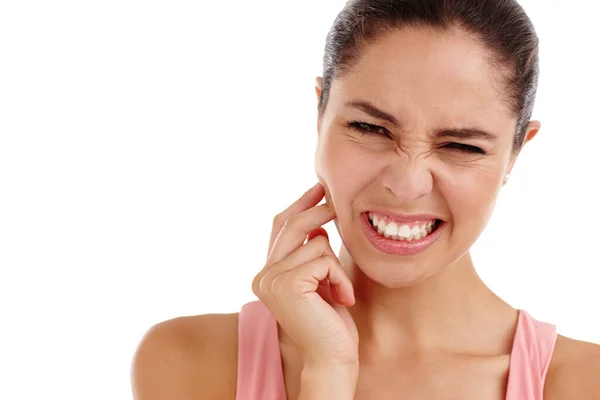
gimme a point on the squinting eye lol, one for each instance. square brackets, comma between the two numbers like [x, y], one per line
[365, 128]
[464, 148]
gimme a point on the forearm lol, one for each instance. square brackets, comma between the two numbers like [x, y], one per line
[328, 383]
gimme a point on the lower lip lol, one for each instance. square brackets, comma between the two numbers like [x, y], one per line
[398, 247]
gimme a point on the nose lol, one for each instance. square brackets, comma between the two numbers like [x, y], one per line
[408, 178]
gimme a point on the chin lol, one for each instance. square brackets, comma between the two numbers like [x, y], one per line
[391, 271]
[395, 273]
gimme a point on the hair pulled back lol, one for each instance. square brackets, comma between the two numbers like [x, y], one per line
[501, 26]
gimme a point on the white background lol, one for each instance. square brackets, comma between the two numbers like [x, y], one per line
[145, 147]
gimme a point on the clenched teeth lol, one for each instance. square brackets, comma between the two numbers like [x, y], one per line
[405, 232]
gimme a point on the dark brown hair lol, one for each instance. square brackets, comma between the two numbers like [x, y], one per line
[501, 26]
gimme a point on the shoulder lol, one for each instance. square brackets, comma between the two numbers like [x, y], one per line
[574, 371]
[187, 358]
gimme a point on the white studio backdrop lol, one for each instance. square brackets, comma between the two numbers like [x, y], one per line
[145, 147]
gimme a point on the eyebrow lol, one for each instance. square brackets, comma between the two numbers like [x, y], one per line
[373, 111]
[460, 133]
[466, 133]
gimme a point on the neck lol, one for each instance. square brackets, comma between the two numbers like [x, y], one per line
[451, 311]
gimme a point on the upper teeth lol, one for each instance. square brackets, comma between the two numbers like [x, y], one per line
[398, 231]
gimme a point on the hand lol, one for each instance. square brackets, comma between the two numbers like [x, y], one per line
[305, 287]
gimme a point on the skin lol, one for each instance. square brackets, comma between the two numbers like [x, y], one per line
[428, 326]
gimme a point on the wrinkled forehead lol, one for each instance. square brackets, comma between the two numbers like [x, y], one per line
[426, 75]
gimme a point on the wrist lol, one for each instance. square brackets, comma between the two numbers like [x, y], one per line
[347, 369]
[331, 382]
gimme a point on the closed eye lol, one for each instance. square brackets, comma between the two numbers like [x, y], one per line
[464, 148]
[365, 128]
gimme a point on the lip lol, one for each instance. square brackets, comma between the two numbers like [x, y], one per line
[406, 217]
[397, 247]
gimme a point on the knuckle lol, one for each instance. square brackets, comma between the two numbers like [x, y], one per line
[278, 284]
[326, 259]
[266, 284]
[282, 220]
[256, 284]
[329, 260]
[279, 219]
[289, 284]
[289, 222]
[260, 283]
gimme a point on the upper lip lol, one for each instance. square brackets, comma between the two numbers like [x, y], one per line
[407, 217]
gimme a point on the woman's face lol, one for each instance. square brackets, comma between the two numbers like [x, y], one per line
[445, 156]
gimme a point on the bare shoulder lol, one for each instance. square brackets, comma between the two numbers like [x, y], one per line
[574, 371]
[187, 358]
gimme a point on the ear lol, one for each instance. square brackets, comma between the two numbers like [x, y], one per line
[318, 87]
[532, 129]
[319, 91]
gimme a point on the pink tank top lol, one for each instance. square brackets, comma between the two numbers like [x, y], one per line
[260, 372]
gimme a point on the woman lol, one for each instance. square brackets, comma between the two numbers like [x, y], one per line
[424, 106]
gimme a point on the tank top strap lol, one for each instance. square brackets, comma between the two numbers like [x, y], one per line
[532, 350]
[259, 370]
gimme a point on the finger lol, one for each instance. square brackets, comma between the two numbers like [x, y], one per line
[325, 292]
[328, 292]
[297, 228]
[320, 231]
[315, 248]
[334, 294]
[342, 290]
[309, 199]
[318, 246]
[307, 277]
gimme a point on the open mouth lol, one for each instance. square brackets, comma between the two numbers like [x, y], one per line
[403, 231]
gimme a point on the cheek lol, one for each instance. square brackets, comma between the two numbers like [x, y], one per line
[344, 169]
[471, 196]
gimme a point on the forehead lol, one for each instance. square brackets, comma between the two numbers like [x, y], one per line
[423, 74]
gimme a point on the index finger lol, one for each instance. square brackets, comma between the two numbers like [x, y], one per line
[309, 199]
[297, 228]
